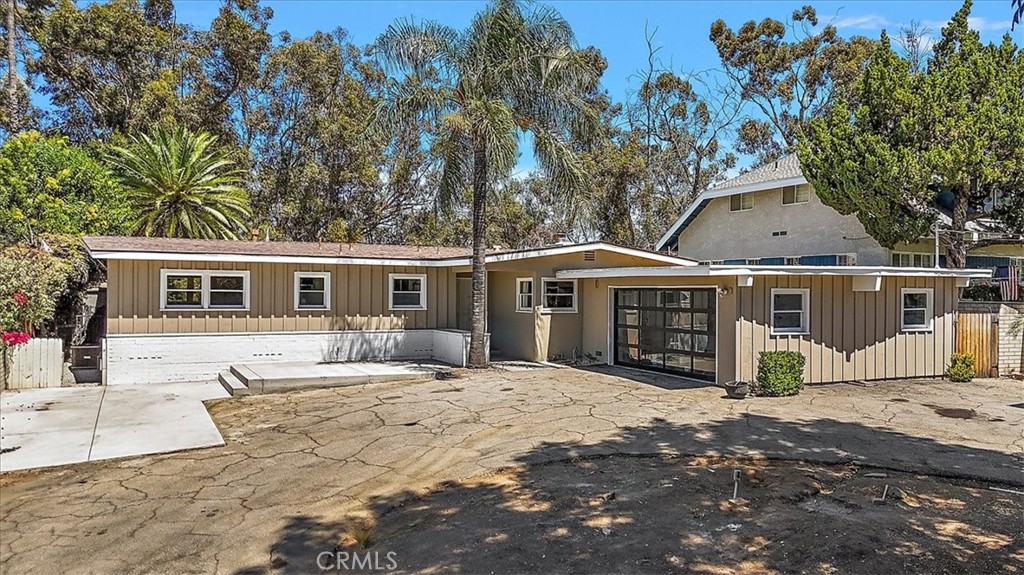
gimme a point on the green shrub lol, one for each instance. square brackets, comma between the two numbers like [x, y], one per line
[961, 367]
[780, 373]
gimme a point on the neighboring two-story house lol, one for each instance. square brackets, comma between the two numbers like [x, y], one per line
[771, 216]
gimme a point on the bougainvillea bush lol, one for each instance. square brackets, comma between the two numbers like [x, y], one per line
[33, 286]
[14, 319]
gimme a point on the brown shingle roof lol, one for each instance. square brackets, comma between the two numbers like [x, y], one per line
[293, 249]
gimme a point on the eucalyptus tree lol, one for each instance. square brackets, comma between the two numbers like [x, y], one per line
[516, 68]
[182, 185]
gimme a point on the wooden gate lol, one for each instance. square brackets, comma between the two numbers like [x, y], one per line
[978, 334]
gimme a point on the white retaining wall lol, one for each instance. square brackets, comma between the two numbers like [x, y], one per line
[200, 357]
[38, 363]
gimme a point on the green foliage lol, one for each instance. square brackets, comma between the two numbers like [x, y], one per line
[48, 186]
[780, 373]
[961, 367]
[902, 138]
[790, 72]
[49, 280]
[182, 185]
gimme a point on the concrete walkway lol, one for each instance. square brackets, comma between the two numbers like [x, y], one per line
[58, 426]
[257, 378]
[297, 467]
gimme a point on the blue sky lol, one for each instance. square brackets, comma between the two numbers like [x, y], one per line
[617, 27]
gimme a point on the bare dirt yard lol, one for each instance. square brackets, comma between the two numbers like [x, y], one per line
[551, 470]
[629, 514]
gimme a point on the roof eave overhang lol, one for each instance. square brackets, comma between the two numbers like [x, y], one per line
[349, 260]
[725, 271]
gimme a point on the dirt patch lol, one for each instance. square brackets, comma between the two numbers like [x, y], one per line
[655, 515]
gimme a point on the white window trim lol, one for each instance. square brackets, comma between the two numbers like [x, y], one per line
[912, 255]
[391, 292]
[205, 294]
[796, 201]
[805, 316]
[741, 196]
[929, 310]
[519, 294]
[327, 290]
[543, 296]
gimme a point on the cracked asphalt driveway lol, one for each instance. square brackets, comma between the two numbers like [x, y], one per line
[317, 457]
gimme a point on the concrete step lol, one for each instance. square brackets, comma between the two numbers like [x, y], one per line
[285, 376]
[271, 385]
[231, 383]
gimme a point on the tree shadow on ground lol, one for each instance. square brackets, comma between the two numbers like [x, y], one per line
[656, 498]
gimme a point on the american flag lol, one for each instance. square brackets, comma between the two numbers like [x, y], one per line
[1011, 286]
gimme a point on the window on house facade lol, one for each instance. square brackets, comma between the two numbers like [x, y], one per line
[916, 309]
[796, 194]
[188, 289]
[558, 295]
[312, 290]
[790, 311]
[741, 202]
[407, 291]
[911, 260]
[524, 294]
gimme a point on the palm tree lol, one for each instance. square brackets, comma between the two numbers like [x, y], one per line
[182, 185]
[515, 69]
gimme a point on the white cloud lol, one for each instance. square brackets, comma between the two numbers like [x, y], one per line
[863, 22]
[979, 23]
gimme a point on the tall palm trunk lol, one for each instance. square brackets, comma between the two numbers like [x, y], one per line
[13, 106]
[478, 321]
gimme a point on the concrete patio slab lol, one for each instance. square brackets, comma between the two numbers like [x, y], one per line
[284, 376]
[59, 426]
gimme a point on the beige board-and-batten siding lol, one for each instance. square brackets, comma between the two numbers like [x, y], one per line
[359, 300]
[854, 336]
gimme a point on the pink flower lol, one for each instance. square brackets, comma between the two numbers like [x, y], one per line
[13, 338]
[20, 298]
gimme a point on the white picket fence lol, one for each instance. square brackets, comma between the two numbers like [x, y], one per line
[38, 363]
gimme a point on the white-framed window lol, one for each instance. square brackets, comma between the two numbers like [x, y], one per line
[791, 311]
[741, 203]
[407, 291]
[524, 295]
[558, 296]
[912, 260]
[312, 290]
[204, 289]
[916, 309]
[796, 194]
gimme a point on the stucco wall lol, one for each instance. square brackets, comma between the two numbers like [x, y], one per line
[853, 335]
[812, 229]
[540, 336]
[359, 300]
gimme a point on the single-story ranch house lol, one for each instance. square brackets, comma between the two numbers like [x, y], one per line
[180, 310]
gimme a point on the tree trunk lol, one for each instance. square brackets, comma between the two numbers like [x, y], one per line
[478, 322]
[13, 106]
[956, 247]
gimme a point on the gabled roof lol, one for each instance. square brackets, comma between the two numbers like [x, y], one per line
[783, 172]
[178, 249]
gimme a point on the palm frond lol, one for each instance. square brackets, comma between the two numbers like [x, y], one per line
[182, 185]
